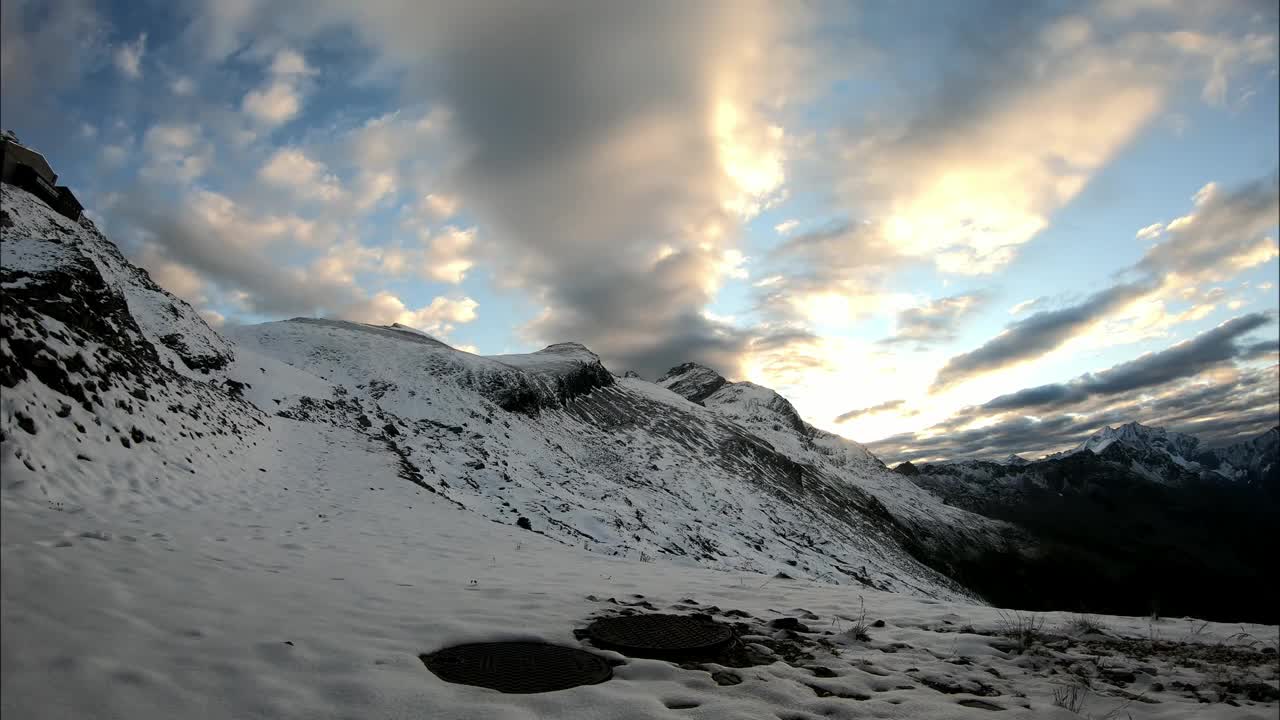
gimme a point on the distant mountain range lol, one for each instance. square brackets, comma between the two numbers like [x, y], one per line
[1134, 516]
[1160, 455]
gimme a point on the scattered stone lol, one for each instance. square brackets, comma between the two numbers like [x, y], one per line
[25, 422]
[980, 704]
[518, 667]
[789, 623]
[724, 677]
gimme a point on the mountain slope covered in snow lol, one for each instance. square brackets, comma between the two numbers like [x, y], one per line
[276, 522]
[550, 440]
[1150, 516]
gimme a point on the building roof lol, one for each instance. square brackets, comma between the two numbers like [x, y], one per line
[10, 147]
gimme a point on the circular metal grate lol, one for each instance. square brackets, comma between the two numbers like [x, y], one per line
[660, 634]
[518, 667]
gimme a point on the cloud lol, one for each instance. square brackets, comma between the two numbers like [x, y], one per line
[1225, 54]
[177, 152]
[439, 318]
[183, 86]
[1226, 232]
[61, 38]
[210, 243]
[937, 320]
[113, 155]
[971, 163]
[882, 407]
[987, 157]
[596, 138]
[1150, 232]
[307, 179]
[786, 227]
[280, 99]
[274, 104]
[1183, 360]
[1218, 410]
[128, 57]
[440, 206]
[1211, 385]
[288, 63]
[1024, 306]
[1036, 335]
[446, 256]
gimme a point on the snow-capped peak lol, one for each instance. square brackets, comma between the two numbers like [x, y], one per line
[1143, 437]
[692, 381]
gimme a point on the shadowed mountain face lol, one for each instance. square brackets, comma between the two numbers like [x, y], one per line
[1134, 520]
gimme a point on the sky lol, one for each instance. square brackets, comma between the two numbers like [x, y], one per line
[944, 230]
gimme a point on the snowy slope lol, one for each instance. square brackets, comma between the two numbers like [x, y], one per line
[1254, 461]
[276, 523]
[38, 236]
[308, 590]
[619, 466]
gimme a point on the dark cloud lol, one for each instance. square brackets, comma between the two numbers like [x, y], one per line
[1193, 387]
[1220, 414]
[1037, 334]
[937, 320]
[590, 149]
[1226, 231]
[882, 407]
[182, 237]
[45, 46]
[1184, 360]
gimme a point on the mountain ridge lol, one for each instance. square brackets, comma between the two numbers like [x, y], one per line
[549, 440]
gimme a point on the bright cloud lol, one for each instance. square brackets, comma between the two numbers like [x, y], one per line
[128, 57]
[280, 99]
[290, 168]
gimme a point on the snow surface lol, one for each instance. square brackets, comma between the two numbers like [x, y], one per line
[281, 534]
[308, 590]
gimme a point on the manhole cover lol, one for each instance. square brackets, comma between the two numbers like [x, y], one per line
[660, 634]
[518, 667]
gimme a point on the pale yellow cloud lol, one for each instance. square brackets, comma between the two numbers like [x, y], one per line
[308, 179]
[438, 318]
[786, 227]
[1150, 232]
[970, 198]
[279, 99]
[274, 104]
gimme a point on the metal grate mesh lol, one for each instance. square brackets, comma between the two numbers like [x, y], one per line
[660, 633]
[518, 667]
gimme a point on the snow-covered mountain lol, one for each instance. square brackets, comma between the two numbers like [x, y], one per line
[1134, 502]
[110, 379]
[1141, 436]
[1173, 457]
